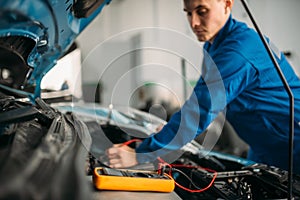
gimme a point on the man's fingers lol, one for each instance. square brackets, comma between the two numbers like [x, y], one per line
[117, 145]
[113, 156]
[121, 156]
[116, 163]
[113, 151]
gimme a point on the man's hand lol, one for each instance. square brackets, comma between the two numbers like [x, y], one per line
[121, 156]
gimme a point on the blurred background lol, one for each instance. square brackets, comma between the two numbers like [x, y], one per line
[143, 54]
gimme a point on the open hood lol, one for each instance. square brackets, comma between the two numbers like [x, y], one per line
[34, 34]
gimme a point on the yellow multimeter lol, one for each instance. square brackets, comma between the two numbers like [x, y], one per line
[132, 180]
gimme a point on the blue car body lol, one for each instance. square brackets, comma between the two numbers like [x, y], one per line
[51, 25]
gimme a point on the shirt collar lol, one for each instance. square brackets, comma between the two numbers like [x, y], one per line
[220, 35]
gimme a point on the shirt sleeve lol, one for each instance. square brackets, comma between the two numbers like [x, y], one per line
[222, 81]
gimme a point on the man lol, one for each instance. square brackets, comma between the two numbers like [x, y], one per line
[253, 95]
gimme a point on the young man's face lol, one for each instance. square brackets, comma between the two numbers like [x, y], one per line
[207, 17]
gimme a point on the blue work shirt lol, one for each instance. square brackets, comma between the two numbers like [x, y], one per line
[240, 80]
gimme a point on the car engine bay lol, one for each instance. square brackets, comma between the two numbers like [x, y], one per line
[48, 153]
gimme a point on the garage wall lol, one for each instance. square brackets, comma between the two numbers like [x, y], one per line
[279, 21]
[155, 36]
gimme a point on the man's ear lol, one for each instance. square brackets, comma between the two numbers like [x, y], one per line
[229, 4]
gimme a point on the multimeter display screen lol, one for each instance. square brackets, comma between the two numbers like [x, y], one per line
[129, 173]
[111, 172]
